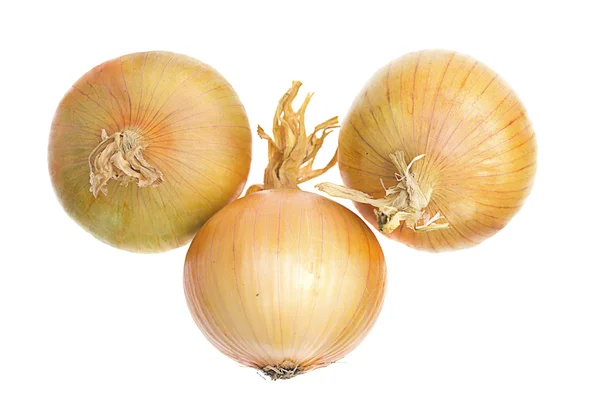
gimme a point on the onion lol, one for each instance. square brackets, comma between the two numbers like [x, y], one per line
[436, 151]
[145, 148]
[283, 280]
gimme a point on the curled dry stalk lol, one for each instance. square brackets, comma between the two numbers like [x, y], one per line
[119, 157]
[406, 201]
[291, 151]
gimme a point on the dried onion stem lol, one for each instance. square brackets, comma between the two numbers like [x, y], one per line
[291, 151]
[119, 157]
[406, 201]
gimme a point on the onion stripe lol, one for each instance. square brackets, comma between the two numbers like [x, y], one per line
[434, 159]
[153, 120]
[115, 128]
[153, 124]
[488, 136]
[147, 109]
[367, 143]
[463, 119]
[437, 93]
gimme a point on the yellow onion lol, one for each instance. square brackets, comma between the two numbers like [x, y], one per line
[436, 151]
[145, 148]
[283, 280]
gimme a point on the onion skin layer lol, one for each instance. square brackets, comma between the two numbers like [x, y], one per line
[284, 276]
[193, 128]
[480, 149]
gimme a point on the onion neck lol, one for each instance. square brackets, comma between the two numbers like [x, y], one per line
[291, 151]
[120, 157]
[406, 201]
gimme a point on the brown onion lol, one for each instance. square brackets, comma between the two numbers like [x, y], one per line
[436, 151]
[146, 147]
[283, 280]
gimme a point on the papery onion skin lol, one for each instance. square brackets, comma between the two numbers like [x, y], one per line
[285, 277]
[479, 147]
[193, 129]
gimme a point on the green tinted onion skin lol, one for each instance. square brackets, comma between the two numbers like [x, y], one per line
[190, 126]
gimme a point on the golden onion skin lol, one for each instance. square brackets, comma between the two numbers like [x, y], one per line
[285, 277]
[480, 149]
[194, 130]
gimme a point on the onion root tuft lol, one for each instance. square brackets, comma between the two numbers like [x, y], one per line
[285, 370]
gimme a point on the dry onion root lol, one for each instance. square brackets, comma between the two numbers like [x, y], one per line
[147, 147]
[283, 280]
[436, 151]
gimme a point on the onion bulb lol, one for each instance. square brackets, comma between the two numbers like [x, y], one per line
[145, 148]
[436, 151]
[283, 280]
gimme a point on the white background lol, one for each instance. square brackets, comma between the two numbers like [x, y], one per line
[514, 318]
